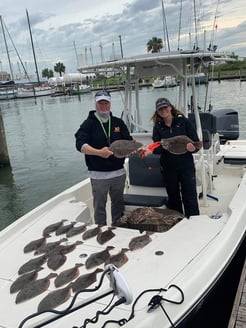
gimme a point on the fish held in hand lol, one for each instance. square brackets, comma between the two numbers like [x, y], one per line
[124, 148]
[178, 145]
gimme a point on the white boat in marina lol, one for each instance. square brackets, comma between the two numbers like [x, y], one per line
[6, 93]
[34, 91]
[7, 90]
[78, 89]
[200, 78]
[166, 81]
[170, 279]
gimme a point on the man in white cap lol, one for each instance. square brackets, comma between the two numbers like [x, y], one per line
[106, 172]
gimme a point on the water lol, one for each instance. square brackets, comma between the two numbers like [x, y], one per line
[41, 144]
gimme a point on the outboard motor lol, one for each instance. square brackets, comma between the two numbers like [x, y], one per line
[227, 124]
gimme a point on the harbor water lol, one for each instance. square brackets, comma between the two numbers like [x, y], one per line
[41, 144]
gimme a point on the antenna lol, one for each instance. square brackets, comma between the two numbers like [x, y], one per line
[164, 23]
[180, 17]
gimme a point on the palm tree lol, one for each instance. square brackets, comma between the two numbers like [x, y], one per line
[59, 68]
[154, 45]
[47, 73]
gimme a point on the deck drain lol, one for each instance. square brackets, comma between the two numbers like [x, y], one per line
[159, 253]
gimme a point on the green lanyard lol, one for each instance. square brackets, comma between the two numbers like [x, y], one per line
[107, 135]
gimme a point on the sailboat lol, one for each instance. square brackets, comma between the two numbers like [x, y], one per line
[29, 89]
[7, 88]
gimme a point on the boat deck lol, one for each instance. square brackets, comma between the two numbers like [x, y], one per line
[238, 314]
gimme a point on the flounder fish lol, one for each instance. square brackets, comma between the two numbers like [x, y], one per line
[35, 244]
[118, 259]
[67, 275]
[91, 232]
[46, 248]
[24, 280]
[55, 298]
[75, 230]
[151, 219]
[53, 227]
[177, 145]
[85, 280]
[56, 259]
[105, 236]
[32, 264]
[140, 241]
[34, 288]
[65, 249]
[64, 228]
[99, 258]
[124, 148]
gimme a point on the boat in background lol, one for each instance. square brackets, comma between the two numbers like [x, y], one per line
[156, 268]
[8, 90]
[77, 89]
[166, 81]
[200, 78]
[29, 90]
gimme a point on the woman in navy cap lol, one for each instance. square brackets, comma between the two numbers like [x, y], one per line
[178, 170]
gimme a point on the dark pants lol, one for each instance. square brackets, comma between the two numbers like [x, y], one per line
[100, 190]
[181, 190]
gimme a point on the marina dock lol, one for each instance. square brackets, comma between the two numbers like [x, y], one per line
[238, 314]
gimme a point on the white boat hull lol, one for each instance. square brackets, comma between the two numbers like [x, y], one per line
[195, 254]
[35, 92]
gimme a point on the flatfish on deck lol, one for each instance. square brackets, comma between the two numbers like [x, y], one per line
[64, 228]
[67, 275]
[140, 241]
[99, 258]
[85, 280]
[46, 248]
[56, 259]
[65, 249]
[35, 244]
[32, 264]
[53, 227]
[91, 232]
[55, 298]
[177, 145]
[104, 236]
[34, 288]
[124, 148]
[75, 230]
[118, 259]
[24, 280]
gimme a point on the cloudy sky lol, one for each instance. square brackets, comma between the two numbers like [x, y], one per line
[63, 29]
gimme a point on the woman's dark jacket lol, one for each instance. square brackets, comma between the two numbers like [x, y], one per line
[91, 133]
[180, 126]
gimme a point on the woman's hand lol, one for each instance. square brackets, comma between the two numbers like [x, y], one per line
[190, 147]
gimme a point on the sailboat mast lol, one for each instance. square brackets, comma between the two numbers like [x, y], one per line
[7, 50]
[34, 56]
